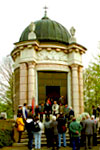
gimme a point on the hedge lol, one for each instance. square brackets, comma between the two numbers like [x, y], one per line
[6, 138]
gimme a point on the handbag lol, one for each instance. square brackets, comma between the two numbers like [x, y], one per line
[64, 128]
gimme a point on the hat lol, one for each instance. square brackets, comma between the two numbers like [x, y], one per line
[20, 105]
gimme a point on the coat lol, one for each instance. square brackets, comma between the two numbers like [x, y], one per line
[20, 123]
[89, 126]
[54, 125]
[29, 125]
[75, 126]
[61, 123]
[55, 108]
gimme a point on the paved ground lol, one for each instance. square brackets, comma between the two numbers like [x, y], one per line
[44, 148]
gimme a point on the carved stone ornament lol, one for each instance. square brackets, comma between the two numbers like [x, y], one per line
[72, 39]
[72, 31]
[32, 34]
[52, 55]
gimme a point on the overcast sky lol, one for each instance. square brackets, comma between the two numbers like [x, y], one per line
[84, 15]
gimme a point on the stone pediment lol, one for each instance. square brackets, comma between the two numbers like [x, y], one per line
[52, 55]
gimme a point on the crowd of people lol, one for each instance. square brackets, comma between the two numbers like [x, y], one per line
[59, 118]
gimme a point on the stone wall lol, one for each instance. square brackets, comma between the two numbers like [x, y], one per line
[6, 124]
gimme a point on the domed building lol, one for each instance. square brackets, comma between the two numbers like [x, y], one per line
[48, 63]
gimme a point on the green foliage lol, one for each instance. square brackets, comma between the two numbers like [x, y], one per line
[92, 85]
[6, 138]
[6, 108]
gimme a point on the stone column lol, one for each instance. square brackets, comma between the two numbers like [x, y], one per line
[69, 89]
[81, 102]
[23, 83]
[31, 82]
[75, 89]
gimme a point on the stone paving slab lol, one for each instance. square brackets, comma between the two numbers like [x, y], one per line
[45, 148]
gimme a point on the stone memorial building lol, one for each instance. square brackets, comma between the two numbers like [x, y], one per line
[48, 63]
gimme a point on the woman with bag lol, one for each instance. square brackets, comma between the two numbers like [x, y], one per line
[62, 129]
[38, 126]
[20, 125]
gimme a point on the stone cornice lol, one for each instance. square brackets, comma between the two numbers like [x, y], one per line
[73, 47]
[77, 48]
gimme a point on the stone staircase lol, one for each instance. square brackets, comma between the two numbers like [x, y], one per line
[24, 139]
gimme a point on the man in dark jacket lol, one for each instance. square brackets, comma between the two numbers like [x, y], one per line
[62, 129]
[75, 129]
[30, 127]
[71, 112]
[47, 129]
[47, 109]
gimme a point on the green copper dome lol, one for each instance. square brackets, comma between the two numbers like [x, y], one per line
[47, 30]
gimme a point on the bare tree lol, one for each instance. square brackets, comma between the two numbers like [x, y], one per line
[6, 82]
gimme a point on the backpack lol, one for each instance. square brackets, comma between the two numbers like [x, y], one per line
[36, 127]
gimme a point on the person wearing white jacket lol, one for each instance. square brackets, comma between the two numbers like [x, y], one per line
[38, 127]
[55, 108]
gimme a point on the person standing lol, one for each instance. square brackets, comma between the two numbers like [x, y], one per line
[20, 127]
[54, 133]
[55, 108]
[38, 126]
[98, 109]
[24, 112]
[69, 122]
[48, 131]
[47, 109]
[75, 129]
[37, 110]
[66, 111]
[89, 128]
[41, 110]
[61, 129]
[95, 130]
[61, 108]
[19, 111]
[71, 112]
[82, 122]
[30, 128]
[94, 111]
[62, 100]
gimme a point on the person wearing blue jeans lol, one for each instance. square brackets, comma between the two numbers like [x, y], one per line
[64, 139]
[37, 136]
[76, 143]
[37, 132]
[30, 142]
[61, 129]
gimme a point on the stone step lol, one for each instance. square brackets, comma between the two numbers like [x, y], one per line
[24, 138]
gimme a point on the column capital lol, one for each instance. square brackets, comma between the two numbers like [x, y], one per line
[74, 66]
[23, 65]
[80, 68]
[31, 64]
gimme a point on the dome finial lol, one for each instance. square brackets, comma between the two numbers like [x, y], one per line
[45, 12]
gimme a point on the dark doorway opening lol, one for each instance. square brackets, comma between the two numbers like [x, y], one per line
[53, 92]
